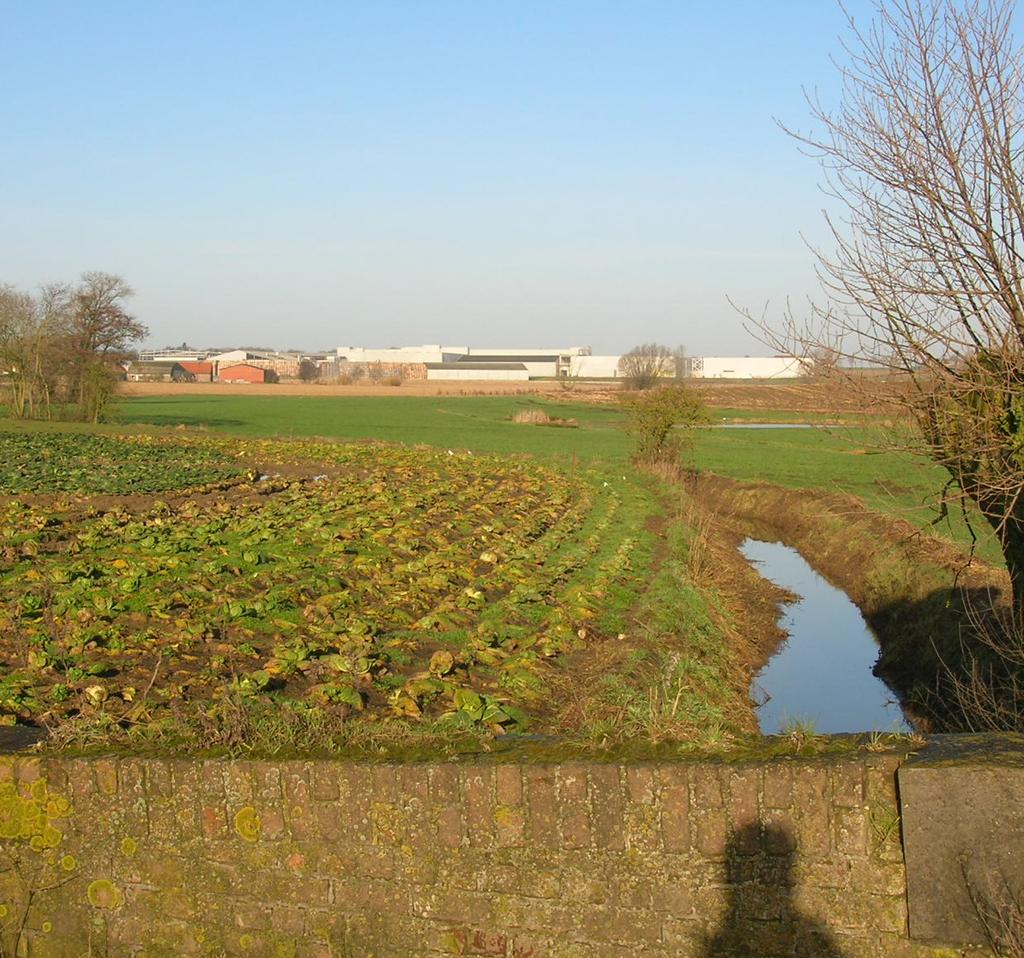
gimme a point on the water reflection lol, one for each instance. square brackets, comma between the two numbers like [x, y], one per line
[822, 673]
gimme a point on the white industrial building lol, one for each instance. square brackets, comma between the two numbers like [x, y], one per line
[396, 355]
[594, 367]
[504, 363]
[745, 367]
[469, 371]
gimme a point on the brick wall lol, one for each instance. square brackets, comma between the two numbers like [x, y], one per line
[162, 857]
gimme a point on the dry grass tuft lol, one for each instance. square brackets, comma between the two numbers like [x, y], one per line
[538, 417]
[534, 417]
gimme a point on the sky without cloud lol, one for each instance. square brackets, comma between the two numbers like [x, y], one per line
[482, 172]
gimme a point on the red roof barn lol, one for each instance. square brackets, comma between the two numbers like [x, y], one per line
[199, 371]
[241, 373]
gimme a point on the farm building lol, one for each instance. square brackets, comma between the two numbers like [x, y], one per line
[155, 372]
[478, 371]
[201, 372]
[242, 373]
[745, 367]
[284, 364]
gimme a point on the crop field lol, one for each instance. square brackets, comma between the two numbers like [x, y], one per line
[146, 578]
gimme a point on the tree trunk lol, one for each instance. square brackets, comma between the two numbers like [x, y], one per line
[1007, 521]
[1011, 538]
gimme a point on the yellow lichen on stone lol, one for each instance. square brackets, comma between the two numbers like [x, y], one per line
[28, 814]
[388, 824]
[452, 943]
[129, 847]
[246, 942]
[103, 893]
[248, 824]
[68, 863]
[47, 927]
[505, 816]
[3, 911]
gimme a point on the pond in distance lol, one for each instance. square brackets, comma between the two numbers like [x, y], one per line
[822, 673]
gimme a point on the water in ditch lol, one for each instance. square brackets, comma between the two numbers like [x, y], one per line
[822, 673]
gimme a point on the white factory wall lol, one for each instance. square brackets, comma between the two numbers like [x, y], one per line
[747, 367]
[470, 375]
[594, 367]
[398, 354]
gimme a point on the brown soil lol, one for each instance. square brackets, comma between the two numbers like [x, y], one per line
[797, 396]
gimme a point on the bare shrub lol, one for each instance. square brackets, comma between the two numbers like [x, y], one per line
[982, 690]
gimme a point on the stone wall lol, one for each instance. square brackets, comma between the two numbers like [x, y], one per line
[165, 857]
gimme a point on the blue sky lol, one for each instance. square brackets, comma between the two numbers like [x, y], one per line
[381, 173]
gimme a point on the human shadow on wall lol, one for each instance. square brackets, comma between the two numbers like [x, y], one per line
[761, 918]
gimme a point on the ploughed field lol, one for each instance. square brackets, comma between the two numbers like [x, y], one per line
[149, 579]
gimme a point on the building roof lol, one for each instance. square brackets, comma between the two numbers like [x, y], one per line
[152, 366]
[195, 366]
[492, 360]
[519, 367]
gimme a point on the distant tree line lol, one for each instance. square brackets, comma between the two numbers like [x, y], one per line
[60, 348]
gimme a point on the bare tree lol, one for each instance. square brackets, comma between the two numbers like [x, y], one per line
[59, 347]
[923, 155]
[643, 366]
[31, 333]
[308, 370]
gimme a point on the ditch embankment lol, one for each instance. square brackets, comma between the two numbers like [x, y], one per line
[914, 590]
